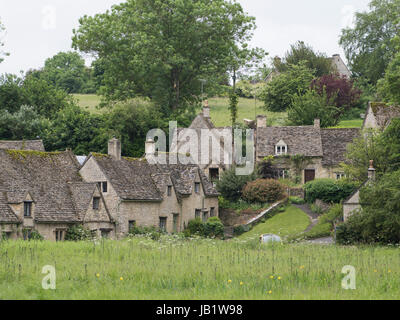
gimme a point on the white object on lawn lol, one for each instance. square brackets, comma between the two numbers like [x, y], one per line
[266, 238]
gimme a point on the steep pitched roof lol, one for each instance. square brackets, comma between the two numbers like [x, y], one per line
[334, 144]
[35, 145]
[6, 214]
[300, 140]
[383, 113]
[137, 180]
[46, 177]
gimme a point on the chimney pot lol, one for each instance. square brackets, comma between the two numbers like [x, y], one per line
[150, 147]
[114, 148]
[206, 109]
[371, 171]
[261, 121]
[317, 123]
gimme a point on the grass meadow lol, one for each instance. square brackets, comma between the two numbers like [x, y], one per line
[173, 268]
[248, 109]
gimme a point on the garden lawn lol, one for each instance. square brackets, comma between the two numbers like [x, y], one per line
[284, 224]
[181, 269]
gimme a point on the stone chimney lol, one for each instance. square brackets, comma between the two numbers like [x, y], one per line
[317, 123]
[114, 148]
[261, 121]
[150, 148]
[371, 171]
[206, 110]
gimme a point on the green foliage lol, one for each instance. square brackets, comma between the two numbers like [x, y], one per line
[233, 106]
[296, 200]
[382, 148]
[131, 121]
[249, 90]
[24, 124]
[389, 86]
[78, 233]
[213, 228]
[150, 232]
[66, 71]
[303, 53]
[281, 90]
[374, 39]
[195, 227]
[33, 235]
[75, 128]
[378, 222]
[309, 106]
[241, 205]
[231, 185]
[264, 190]
[160, 49]
[328, 190]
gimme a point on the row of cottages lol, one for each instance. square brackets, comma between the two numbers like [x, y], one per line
[324, 149]
[51, 191]
[138, 193]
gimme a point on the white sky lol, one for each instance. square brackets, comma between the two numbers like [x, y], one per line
[38, 29]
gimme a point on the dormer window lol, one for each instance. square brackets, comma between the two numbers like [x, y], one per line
[28, 209]
[96, 203]
[103, 186]
[169, 191]
[281, 148]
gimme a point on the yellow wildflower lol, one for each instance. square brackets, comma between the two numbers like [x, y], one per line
[241, 283]
[229, 281]
[271, 277]
[279, 278]
[122, 279]
[270, 292]
[98, 275]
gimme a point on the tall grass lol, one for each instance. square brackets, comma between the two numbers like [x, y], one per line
[173, 268]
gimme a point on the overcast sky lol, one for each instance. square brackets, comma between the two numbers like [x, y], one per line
[36, 30]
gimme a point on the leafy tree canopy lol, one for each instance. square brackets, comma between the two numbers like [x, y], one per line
[279, 93]
[301, 52]
[389, 86]
[374, 40]
[162, 48]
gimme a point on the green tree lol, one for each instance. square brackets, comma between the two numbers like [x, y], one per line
[305, 108]
[233, 106]
[278, 95]
[389, 86]
[372, 43]
[162, 48]
[301, 52]
[25, 123]
[11, 95]
[77, 129]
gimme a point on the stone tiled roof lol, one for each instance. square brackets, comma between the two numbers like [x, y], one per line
[35, 145]
[46, 177]
[137, 180]
[334, 144]
[6, 214]
[300, 140]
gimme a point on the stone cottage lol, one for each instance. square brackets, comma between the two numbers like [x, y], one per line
[352, 204]
[324, 149]
[44, 192]
[213, 166]
[379, 115]
[138, 193]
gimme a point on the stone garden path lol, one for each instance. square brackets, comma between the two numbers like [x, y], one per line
[314, 220]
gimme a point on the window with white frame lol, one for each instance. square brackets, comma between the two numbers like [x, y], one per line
[281, 148]
[340, 175]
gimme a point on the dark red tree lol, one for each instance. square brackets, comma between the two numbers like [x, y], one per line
[341, 89]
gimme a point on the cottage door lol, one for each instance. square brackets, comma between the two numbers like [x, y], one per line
[309, 175]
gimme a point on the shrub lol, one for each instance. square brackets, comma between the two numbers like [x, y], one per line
[328, 190]
[264, 190]
[33, 234]
[150, 232]
[239, 230]
[296, 200]
[78, 233]
[231, 185]
[213, 228]
[195, 227]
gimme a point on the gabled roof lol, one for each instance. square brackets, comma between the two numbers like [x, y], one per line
[383, 113]
[46, 177]
[34, 145]
[300, 140]
[334, 144]
[137, 180]
[6, 213]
